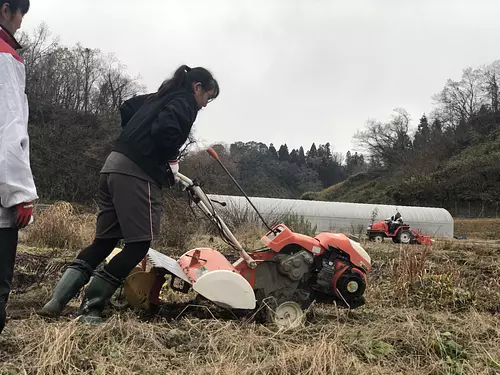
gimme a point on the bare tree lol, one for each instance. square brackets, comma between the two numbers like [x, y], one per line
[77, 78]
[387, 142]
[491, 85]
[461, 100]
[115, 85]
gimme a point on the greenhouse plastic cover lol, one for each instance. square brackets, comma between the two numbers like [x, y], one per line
[341, 216]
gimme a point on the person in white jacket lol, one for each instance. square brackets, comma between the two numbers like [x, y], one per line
[17, 187]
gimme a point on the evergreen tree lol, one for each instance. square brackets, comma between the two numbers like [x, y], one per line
[273, 154]
[312, 153]
[423, 134]
[302, 156]
[283, 154]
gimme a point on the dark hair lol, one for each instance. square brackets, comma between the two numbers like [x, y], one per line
[184, 76]
[15, 5]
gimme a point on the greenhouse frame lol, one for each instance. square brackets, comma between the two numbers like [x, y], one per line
[346, 217]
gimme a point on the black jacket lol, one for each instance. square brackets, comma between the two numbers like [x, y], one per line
[155, 130]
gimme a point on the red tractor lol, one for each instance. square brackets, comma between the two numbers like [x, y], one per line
[395, 229]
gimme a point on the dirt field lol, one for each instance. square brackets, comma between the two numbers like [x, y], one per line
[488, 229]
[427, 312]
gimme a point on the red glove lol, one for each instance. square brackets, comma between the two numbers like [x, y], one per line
[24, 211]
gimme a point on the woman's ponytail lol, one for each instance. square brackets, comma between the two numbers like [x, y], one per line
[184, 76]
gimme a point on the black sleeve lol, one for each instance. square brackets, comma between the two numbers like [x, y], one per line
[130, 107]
[171, 128]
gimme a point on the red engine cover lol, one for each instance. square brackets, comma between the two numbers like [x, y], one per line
[380, 226]
[317, 245]
[286, 237]
[359, 257]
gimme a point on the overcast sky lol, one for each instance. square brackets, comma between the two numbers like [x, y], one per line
[290, 71]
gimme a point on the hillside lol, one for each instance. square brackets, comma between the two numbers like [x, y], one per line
[471, 176]
[451, 159]
[465, 184]
[367, 187]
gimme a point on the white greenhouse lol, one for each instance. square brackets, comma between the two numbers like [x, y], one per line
[346, 217]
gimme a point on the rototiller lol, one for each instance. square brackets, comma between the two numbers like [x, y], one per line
[282, 279]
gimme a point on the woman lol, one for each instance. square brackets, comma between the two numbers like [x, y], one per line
[17, 187]
[144, 159]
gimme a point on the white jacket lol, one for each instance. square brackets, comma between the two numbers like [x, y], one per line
[16, 180]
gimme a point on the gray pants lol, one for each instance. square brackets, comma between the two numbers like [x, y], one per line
[129, 208]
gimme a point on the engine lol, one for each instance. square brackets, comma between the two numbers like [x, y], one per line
[337, 279]
[328, 267]
[328, 277]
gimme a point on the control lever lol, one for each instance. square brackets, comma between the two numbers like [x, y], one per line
[223, 204]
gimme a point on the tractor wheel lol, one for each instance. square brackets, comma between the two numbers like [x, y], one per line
[405, 237]
[378, 238]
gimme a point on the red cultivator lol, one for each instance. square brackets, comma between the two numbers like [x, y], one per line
[280, 280]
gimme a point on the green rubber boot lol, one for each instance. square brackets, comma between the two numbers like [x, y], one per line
[73, 279]
[97, 296]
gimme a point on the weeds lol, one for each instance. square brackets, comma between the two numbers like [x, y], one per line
[299, 224]
[389, 341]
[411, 264]
[238, 217]
[429, 311]
[179, 223]
[60, 226]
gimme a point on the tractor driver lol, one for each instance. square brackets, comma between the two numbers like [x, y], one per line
[396, 221]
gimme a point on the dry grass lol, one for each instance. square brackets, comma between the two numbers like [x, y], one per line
[368, 341]
[410, 266]
[178, 225]
[488, 229]
[429, 311]
[60, 226]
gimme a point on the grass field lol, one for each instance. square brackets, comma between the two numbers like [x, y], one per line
[433, 311]
[488, 229]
